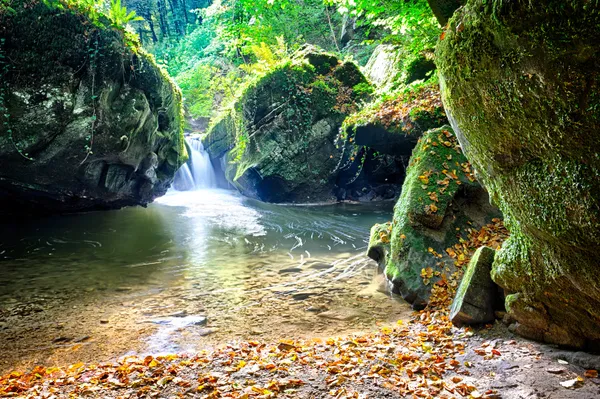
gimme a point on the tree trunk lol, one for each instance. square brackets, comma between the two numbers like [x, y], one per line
[151, 25]
[163, 20]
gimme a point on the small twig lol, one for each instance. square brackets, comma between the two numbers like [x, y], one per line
[331, 28]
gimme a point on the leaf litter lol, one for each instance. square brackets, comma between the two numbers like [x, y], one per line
[423, 357]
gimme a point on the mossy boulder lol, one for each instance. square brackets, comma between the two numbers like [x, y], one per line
[521, 84]
[476, 296]
[440, 199]
[86, 121]
[393, 125]
[279, 137]
[392, 67]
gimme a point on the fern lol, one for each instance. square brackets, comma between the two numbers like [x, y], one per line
[119, 16]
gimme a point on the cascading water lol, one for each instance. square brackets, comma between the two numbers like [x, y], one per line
[198, 172]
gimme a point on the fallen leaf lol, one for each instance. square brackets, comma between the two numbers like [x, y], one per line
[591, 374]
[574, 383]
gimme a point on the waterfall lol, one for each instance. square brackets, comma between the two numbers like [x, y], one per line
[198, 172]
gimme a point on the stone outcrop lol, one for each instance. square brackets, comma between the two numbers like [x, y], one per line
[280, 140]
[394, 126]
[520, 82]
[391, 67]
[476, 296]
[440, 199]
[86, 122]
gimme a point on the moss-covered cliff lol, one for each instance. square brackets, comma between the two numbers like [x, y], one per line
[521, 83]
[87, 122]
[280, 137]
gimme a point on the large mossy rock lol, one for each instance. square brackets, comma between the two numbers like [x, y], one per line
[279, 137]
[440, 199]
[521, 85]
[86, 122]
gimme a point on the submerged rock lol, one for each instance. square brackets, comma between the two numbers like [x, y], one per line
[440, 199]
[86, 121]
[520, 82]
[379, 244]
[475, 297]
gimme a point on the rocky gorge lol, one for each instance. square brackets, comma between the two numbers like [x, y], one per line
[483, 134]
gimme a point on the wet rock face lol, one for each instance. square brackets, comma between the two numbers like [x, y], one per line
[86, 122]
[520, 83]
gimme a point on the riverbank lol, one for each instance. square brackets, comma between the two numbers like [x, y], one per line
[423, 357]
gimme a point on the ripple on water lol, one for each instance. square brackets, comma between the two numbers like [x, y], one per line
[253, 270]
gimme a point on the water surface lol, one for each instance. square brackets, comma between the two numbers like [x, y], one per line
[196, 268]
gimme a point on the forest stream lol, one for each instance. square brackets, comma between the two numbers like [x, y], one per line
[194, 269]
[299, 199]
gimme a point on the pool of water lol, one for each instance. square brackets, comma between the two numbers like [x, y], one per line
[193, 269]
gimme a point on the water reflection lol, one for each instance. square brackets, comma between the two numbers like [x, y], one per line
[204, 253]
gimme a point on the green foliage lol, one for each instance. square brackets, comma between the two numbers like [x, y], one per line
[321, 85]
[5, 7]
[249, 22]
[206, 87]
[410, 23]
[363, 89]
[116, 15]
[198, 46]
[120, 16]
[92, 9]
[266, 57]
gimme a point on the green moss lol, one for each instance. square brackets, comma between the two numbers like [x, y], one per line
[518, 83]
[435, 174]
[280, 126]
[379, 243]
